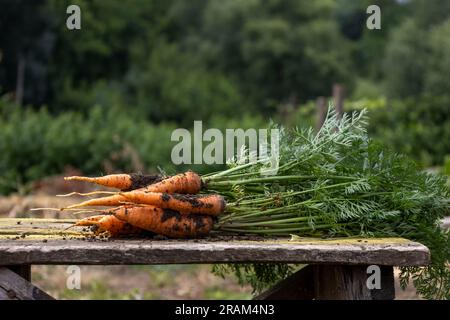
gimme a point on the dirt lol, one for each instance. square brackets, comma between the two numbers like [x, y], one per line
[202, 223]
[165, 197]
[193, 200]
[140, 180]
[214, 237]
[169, 214]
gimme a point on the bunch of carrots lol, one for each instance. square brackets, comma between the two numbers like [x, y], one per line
[336, 182]
[170, 206]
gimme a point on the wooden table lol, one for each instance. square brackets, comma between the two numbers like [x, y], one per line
[334, 269]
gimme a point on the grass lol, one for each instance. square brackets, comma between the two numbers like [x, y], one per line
[150, 283]
[140, 283]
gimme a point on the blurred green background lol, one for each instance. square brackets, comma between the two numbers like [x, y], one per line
[107, 97]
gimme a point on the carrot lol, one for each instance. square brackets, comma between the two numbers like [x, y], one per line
[111, 201]
[123, 182]
[165, 221]
[212, 205]
[110, 224]
[188, 182]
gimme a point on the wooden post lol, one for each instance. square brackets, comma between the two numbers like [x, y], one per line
[387, 291]
[338, 97]
[332, 282]
[299, 286]
[20, 81]
[344, 282]
[321, 112]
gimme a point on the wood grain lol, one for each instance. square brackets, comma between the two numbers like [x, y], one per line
[175, 252]
[343, 282]
[14, 287]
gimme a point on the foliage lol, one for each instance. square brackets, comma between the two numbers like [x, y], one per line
[259, 275]
[416, 60]
[406, 59]
[176, 84]
[174, 56]
[439, 61]
[172, 62]
[447, 166]
[36, 144]
[338, 182]
[417, 127]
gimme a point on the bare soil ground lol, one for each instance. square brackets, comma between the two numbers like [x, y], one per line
[126, 282]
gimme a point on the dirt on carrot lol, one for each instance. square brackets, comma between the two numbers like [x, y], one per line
[202, 204]
[165, 222]
[110, 224]
[141, 180]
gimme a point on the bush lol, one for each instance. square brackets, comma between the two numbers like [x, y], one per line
[35, 144]
[417, 61]
[418, 127]
[174, 86]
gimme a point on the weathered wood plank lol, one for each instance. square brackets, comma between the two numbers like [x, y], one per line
[145, 251]
[22, 221]
[14, 287]
[34, 228]
[343, 282]
[46, 241]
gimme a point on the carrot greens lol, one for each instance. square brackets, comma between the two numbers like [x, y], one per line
[337, 182]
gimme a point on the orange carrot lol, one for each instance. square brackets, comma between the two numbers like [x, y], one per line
[111, 201]
[186, 183]
[212, 205]
[121, 181]
[110, 224]
[165, 221]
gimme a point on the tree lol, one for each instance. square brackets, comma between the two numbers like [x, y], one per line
[438, 66]
[103, 50]
[406, 60]
[174, 86]
[278, 50]
[26, 41]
